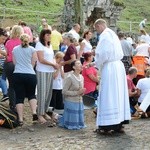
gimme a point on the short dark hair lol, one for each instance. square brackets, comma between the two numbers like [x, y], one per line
[87, 55]
[80, 39]
[3, 32]
[42, 34]
[23, 23]
[121, 34]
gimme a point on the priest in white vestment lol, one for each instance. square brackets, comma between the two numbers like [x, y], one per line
[113, 101]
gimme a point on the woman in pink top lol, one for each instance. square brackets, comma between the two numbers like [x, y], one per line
[90, 75]
[9, 66]
[27, 30]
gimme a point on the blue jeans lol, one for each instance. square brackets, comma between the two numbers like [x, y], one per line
[3, 84]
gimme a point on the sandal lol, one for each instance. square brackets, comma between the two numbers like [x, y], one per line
[96, 131]
[103, 132]
[47, 117]
[52, 125]
[55, 117]
[95, 112]
[20, 123]
[144, 115]
[41, 120]
[136, 115]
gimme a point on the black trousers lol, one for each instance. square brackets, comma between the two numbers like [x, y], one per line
[57, 100]
[25, 85]
[9, 69]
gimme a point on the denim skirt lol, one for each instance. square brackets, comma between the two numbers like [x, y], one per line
[73, 116]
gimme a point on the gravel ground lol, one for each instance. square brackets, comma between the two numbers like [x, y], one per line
[41, 137]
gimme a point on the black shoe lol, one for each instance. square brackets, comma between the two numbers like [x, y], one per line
[5, 98]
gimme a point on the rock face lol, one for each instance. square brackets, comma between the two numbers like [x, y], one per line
[85, 12]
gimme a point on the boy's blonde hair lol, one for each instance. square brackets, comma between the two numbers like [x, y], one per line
[59, 55]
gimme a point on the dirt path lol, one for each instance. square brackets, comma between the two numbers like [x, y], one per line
[41, 137]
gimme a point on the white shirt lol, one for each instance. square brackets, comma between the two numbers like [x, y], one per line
[145, 38]
[144, 86]
[142, 24]
[58, 82]
[87, 47]
[75, 34]
[130, 40]
[78, 49]
[48, 55]
[142, 50]
[23, 57]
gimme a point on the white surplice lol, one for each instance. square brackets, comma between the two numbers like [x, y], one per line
[113, 100]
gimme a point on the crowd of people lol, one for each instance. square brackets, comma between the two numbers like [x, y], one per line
[56, 69]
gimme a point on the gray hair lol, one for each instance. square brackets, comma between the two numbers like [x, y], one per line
[147, 73]
[69, 36]
[132, 70]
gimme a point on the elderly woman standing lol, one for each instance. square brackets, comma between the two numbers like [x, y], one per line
[70, 54]
[73, 116]
[24, 58]
[9, 66]
[45, 68]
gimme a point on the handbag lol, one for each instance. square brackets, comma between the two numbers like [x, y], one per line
[8, 118]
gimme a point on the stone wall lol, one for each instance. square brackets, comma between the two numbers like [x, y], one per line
[85, 12]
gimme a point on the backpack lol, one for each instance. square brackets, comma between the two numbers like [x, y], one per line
[8, 118]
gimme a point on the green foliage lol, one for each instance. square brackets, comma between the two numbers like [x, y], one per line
[119, 3]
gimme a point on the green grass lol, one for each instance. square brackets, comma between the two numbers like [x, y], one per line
[31, 11]
[135, 11]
